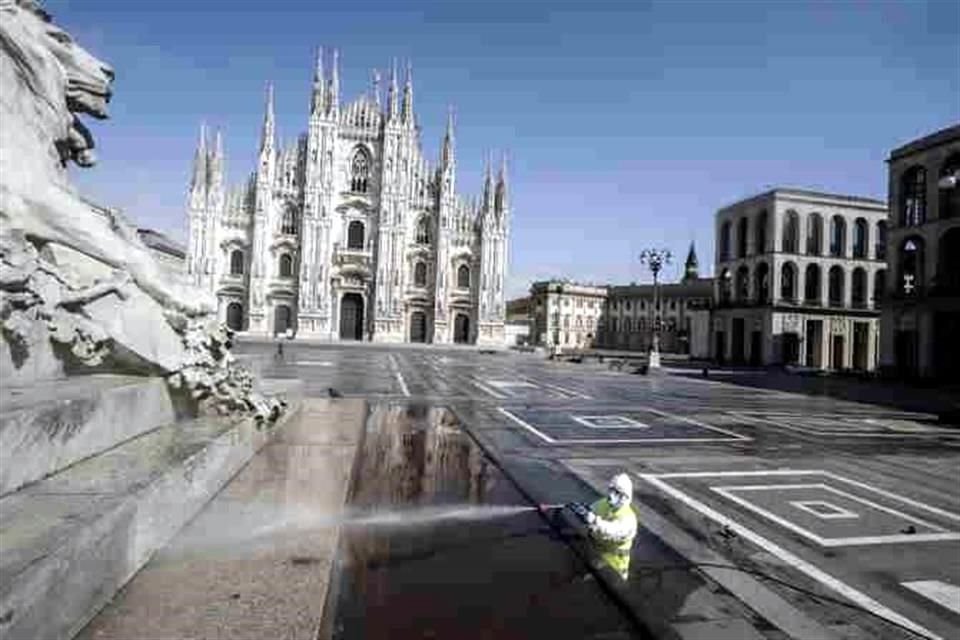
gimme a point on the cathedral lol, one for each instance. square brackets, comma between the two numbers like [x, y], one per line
[350, 233]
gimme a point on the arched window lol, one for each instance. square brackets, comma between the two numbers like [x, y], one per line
[286, 265]
[791, 232]
[235, 316]
[359, 171]
[236, 262]
[423, 230]
[949, 187]
[760, 233]
[913, 197]
[463, 277]
[725, 241]
[420, 274]
[835, 284]
[838, 236]
[858, 288]
[761, 283]
[627, 325]
[726, 286]
[880, 251]
[788, 282]
[290, 223]
[911, 267]
[742, 238]
[879, 286]
[861, 240]
[743, 284]
[355, 235]
[811, 285]
[814, 235]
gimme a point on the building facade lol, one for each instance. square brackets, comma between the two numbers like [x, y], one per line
[684, 314]
[517, 325]
[349, 232]
[569, 315]
[796, 281]
[566, 314]
[921, 310]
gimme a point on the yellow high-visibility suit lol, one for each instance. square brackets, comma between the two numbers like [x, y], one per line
[613, 532]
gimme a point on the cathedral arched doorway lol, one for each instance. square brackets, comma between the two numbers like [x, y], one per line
[282, 319]
[418, 326]
[351, 317]
[461, 329]
[235, 316]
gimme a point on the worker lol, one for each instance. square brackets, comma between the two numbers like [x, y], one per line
[612, 524]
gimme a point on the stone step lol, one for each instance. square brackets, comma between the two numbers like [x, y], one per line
[71, 540]
[50, 425]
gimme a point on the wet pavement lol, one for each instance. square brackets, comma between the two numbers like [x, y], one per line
[499, 576]
[824, 518]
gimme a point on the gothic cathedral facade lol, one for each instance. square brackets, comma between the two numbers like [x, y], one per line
[349, 233]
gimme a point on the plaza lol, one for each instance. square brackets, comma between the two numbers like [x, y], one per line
[816, 492]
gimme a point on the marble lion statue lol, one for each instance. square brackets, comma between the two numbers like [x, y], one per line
[47, 81]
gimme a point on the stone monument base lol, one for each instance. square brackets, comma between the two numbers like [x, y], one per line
[101, 474]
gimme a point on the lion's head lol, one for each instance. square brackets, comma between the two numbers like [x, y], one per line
[50, 79]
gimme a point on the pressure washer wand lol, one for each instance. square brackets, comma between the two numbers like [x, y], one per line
[551, 507]
[578, 509]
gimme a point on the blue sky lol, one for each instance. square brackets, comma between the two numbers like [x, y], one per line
[627, 123]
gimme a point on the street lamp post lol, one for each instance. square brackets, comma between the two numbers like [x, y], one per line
[655, 259]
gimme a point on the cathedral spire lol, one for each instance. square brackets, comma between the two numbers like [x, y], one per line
[691, 269]
[488, 184]
[334, 104]
[215, 173]
[216, 160]
[447, 158]
[376, 87]
[267, 138]
[198, 183]
[500, 201]
[319, 80]
[393, 93]
[408, 96]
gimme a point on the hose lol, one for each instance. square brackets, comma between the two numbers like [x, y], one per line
[766, 576]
